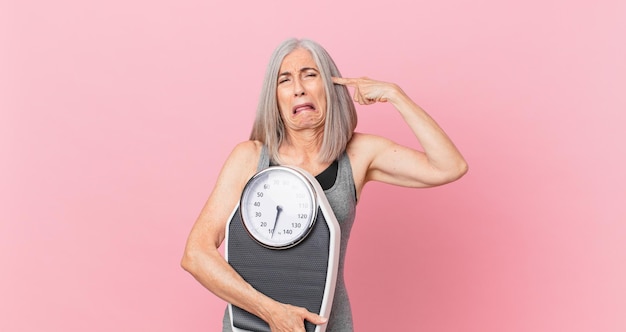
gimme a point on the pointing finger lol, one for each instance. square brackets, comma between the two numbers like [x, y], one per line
[344, 81]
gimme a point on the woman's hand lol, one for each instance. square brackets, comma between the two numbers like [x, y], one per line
[289, 318]
[368, 91]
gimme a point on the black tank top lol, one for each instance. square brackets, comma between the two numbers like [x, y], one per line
[328, 176]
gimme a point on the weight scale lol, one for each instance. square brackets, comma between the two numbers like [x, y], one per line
[284, 239]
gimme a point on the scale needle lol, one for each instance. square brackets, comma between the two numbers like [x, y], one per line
[279, 209]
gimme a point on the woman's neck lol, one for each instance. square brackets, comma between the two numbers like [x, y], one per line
[302, 149]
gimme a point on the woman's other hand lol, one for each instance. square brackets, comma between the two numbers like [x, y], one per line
[289, 318]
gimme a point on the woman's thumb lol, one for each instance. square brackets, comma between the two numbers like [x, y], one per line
[316, 319]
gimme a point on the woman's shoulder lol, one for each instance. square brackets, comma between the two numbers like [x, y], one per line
[363, 148]
[245, 156]
[363, 142]
[249, 148]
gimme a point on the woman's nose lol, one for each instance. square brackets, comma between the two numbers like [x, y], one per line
[298, 89]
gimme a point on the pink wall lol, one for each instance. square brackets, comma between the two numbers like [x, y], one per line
[116, 117]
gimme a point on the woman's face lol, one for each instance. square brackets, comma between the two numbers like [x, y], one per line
[300, 92]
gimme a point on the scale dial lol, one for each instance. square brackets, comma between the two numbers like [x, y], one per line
[278, 207]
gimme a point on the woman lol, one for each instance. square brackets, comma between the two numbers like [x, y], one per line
[306, 118]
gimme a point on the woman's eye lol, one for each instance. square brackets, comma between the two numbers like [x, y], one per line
[283, 80]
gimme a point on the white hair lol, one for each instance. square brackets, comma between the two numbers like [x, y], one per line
[341, 117]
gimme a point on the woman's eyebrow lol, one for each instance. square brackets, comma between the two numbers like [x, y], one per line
[304, 69]
[309, 68]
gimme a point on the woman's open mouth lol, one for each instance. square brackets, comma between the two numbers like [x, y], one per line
[303, 107]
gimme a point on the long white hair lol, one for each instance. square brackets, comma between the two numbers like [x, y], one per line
[341, 117]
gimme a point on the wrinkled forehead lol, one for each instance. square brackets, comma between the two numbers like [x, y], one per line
[297, 60]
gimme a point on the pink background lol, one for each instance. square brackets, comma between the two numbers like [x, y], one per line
[117, 115]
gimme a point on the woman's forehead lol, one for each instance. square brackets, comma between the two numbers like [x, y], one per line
[296, 60]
